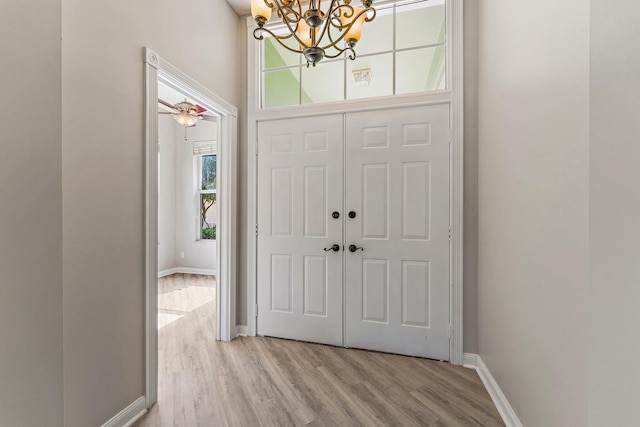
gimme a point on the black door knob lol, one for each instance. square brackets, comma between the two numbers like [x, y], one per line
[353, 248]
[352, 214]
[335, 248]
[335, 215]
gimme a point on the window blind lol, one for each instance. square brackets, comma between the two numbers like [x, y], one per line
[205, 148]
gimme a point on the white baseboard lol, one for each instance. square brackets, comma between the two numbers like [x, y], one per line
[507, 413]
[241, 330]
[470, 360]
[167, 272]
[187, 270]
[129, 415]
[202, 271]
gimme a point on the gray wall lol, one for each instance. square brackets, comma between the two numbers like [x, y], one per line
[103, 181]
[167, 193]
[614, 309]
[533, 193]
[470, 267]
[30, 214]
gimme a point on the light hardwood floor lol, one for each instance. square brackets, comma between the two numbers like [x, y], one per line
[274, 382]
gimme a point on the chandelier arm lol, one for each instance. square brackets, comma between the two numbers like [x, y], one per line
[299, 15]
[373, 15]
[347, 14]
[339, 27]
[336, 16]
[351, 53]
[333, 43]
[277, 38]
[289, 14]
[286, 8]
[288, 23]
[285, 4]
[345, 29]
[330, 12]
[258, 35]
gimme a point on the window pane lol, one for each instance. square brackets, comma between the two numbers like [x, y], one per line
[282, 87]
[401, 51]
[420, 70]
[323, 83]
[208, 216]
[420, 24]
[208, 173]
[275, 55]
[377, 35]
[380, 68]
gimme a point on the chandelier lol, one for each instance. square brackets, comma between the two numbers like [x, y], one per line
[319, 33]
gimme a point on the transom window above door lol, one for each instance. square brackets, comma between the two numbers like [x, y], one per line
[402, 51]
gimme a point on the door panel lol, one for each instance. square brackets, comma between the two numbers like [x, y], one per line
[281, 202]
[415, 207]
[375, 203]
[397, 182]
[299, 186]
[375, 289]
[315, 201]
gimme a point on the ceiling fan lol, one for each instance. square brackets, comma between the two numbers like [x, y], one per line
[186, 113]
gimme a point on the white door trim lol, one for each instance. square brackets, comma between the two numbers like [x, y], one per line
[454, 96]
[455, 16]
[158, 70]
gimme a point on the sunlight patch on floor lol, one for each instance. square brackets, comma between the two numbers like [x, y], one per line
[166, 318]
[186, 299]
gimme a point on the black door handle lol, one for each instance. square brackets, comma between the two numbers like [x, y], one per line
[352, 214]
[335, 248]
[353, 248]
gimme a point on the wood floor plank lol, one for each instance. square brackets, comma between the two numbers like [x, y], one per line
[261, 381]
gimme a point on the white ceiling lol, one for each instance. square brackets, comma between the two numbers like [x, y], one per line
[171, 96]
[242, 7]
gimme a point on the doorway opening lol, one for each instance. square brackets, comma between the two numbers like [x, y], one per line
[187, 219]
[191, 181]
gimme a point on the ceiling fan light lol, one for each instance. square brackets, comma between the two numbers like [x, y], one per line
[185, 119]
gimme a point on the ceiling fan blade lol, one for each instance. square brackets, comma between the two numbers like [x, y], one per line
[166, 104]
[209, 118]
[199, 109]
[165, 112]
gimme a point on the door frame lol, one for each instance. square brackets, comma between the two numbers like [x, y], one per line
[157, 70]
[454, 96]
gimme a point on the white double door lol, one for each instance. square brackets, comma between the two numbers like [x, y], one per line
[376, 185]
